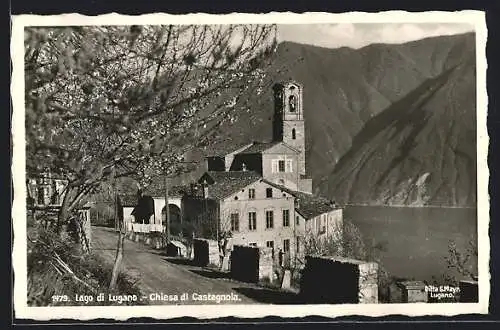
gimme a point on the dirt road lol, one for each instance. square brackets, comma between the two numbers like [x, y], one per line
[162, 280]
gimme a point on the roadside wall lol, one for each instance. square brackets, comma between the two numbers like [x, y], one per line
[331, 280]
[251, 264]
[206, 252]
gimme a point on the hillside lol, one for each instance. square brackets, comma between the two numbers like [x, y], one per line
[344, 89]
[419, 151]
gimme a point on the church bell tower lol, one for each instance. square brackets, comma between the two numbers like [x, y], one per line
[288, 124]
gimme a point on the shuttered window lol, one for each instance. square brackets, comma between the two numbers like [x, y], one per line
[286, 218]
[274, 166]
[286, 245]
[252, 220]
[235, 222]
[269, 219]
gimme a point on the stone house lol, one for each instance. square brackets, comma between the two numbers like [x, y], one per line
[255, 211]
[45, 194]
[315, 218]
[45, 190]
[260, 191]
[259, 213]
[157, 192]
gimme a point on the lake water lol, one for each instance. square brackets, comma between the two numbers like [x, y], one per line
[416, 239]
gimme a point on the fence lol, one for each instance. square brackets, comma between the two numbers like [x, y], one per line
[144, 228]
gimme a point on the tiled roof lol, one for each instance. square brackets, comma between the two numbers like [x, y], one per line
[309, 205]
[227, 183]
[157, 189]
[222, 149]
[258, 147]
[286, 82]
[44, 175]
[128, 200]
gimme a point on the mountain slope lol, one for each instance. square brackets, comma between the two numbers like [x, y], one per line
[343, 90]
[420, 150]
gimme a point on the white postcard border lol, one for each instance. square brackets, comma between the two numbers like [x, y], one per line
[19, 255]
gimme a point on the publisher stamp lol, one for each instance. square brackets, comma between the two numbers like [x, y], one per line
[442, 292]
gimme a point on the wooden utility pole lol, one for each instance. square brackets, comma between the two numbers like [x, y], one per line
[121, 239]
[167, 215]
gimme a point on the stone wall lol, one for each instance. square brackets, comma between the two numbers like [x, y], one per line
[413, 291]
[265, 264]
[251, 264]
[469, 291]
[331, 280]
[206, 252]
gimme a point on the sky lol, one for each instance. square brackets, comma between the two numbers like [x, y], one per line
[356, 35]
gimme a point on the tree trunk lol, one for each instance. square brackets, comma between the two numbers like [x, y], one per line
[63, 213]
[118, 260]
[119, 248]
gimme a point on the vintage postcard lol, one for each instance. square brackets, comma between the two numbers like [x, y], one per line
[324, 164]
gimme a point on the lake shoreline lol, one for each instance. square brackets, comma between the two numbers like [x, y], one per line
[415, 239]
[410, 206]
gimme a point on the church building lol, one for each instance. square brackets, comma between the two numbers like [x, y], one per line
[281, 161]
[259, 192]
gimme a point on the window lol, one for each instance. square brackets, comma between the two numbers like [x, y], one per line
[286, 245]
[57, 198]
[252, 220]
[297, 244]
[293, 134]
[297, 220]
[235, 198]
[252, 244]
[286, 218]
[53, 194]
[292, 101]
[251, 193]
[270, 244]
[235, 222]
[269, 192]
[281, 166]
[269, 219]
[40, 195]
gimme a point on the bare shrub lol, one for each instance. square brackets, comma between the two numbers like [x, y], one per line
[57, 266]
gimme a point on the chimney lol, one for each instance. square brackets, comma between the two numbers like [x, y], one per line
[297, 203]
